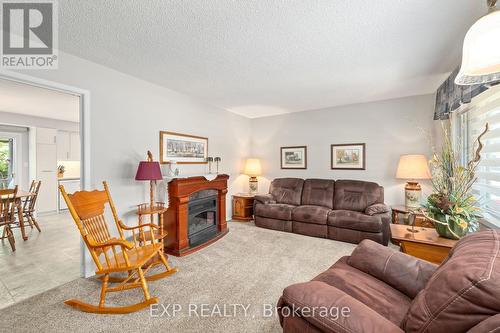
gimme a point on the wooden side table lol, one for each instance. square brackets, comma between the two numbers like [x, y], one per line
[420, 219]
[243, 207]
[425, 244]
[147, 210]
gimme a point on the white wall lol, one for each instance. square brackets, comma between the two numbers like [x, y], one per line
[389, 128]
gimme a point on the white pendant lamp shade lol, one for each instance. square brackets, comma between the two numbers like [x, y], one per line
[481, 52]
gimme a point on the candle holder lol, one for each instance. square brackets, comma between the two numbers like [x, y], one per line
[217, 160]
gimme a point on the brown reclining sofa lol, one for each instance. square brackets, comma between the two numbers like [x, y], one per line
[345, 210]
[388, 291]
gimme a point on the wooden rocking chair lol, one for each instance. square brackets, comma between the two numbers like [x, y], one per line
[135, 258]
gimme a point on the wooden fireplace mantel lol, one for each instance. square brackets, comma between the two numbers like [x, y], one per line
[175, 220]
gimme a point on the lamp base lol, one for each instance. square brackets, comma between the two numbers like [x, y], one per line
[253, 185]
[413, 194]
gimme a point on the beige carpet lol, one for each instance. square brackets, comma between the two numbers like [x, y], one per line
[249, 266]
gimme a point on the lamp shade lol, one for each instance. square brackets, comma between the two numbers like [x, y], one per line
[252, 167]
[148, 171]
[413, 167]
[481, 52]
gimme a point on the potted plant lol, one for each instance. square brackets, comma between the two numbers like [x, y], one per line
[452, 207]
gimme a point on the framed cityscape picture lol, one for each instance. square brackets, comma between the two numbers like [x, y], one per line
[351, 156]
[182, 148]
[294, 157]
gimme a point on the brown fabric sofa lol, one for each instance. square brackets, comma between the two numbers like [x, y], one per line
[388, 291]
[345, 210]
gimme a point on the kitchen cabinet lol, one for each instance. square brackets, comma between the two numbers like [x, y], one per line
[46, 135]
[46, 172]
[68, 146]
[74, 146]
[63, 145]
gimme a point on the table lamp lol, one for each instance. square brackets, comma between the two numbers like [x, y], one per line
[253, 169]
[149, 170]
[413, 167]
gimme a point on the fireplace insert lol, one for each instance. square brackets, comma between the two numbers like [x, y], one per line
[202, 217]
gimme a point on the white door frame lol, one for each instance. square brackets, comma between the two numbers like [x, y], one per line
[85, 172]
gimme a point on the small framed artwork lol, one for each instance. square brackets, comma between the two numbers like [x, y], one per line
[294, 157]
[349, 156]
[182, 148]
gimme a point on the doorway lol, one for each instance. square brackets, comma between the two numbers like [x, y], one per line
[55, 255]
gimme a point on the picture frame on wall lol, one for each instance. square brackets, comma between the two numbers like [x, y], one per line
[348, 156]
[183, 148]
[293, 157]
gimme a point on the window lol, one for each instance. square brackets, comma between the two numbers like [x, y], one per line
[6, 166]
[470, 123]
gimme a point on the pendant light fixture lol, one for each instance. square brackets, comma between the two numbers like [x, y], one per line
[481, 51]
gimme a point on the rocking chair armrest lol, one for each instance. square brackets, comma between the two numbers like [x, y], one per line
[126, 227]
[111, 242]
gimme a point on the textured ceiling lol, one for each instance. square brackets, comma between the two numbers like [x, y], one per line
[33, 101]
[268, 57]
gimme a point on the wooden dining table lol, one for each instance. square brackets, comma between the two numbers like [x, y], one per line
[20, 195]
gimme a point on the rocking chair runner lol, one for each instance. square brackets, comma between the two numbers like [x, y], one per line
[119, 255]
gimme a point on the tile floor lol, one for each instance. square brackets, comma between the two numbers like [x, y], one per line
[45, 261]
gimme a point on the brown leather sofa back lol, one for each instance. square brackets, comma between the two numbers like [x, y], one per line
[356, 195]
[318, 192]
[287, 190]
[464, 290]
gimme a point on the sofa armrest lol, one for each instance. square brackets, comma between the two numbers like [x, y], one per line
[386, 219]
[401, 271]
[265, 199]
[378, 208]
[331, 310]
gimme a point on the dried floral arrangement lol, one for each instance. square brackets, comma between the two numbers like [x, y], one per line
[451, 206]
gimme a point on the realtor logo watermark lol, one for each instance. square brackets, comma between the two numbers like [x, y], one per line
[29, 34]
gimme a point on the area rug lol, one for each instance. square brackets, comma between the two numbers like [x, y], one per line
[229, 286]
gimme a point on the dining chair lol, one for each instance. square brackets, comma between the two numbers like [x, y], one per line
[7, 214]
[29, 205]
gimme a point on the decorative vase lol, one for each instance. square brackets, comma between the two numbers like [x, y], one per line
[445, 229]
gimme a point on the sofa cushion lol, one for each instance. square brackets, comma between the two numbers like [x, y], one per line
[356, 195]
[463, 291]
[318, 192]
[310, 229]
[287, 190]
[354, 220]
[269, 223]
[379, 296]
[275, 211]
[391, 267]
[311, 214]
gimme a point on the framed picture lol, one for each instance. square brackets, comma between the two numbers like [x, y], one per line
[294, 157]
[182, 148]
[349, 156]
